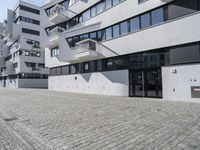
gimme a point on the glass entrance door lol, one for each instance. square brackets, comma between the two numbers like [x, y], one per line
[145, 83]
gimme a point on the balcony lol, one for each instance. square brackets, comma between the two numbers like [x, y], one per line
[15, 46]
[57, 14]
[11, 38]
[54, 36]
[86, 49]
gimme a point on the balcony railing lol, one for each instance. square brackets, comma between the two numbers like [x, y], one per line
[57, 9]
[56, 31]
[54, 36]
[87, 44]
[35, 69]
[86, 49]
[57, 14]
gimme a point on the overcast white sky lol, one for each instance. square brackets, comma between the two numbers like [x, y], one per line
[10, 4]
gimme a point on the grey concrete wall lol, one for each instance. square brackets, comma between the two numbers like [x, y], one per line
[177, 82]
[25, 83]
[103, 83]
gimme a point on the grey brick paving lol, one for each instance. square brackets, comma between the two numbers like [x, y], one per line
[32, 119]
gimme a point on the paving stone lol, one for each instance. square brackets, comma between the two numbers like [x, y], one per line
[49, 120]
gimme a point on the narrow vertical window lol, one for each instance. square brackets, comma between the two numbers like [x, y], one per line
[145, 20]
[135, 24]
[157, 16]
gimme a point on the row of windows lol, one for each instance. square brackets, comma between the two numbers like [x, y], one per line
[91, 12]
[28, 31]
[26, 53]
[25, 76]
[32, 10]
[55, 52]
[187, 53]
[132, 25]
[169, 11]
[35, 44]
[31, 64]
[132, 61]
[97, 9]
[64, 3]
[28, 20]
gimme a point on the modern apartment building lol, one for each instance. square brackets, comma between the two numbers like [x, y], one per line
[139, 48]
[22, 57]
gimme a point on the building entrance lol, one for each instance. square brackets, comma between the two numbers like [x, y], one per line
[145, 83]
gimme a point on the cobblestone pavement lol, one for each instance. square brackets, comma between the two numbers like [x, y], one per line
[34, 119]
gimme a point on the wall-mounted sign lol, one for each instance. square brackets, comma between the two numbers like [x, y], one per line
[195, 91]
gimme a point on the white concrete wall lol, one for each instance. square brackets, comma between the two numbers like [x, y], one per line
[177, 86]
[103, 83]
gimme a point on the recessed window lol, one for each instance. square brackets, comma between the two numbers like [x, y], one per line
[54, 52]
[115, 2]
[73, 69]
[124, 27]
[108, 33]
[93, 35]
[100, 7]
[116, 32]
[108, 4]
[65, 70]
[93, 66]
[110, 64]
[86, 15]
[83, 37]
[93, 11]
[157, 16]
[86, 67]
[135, 24]
[99, 65]
[145, 20]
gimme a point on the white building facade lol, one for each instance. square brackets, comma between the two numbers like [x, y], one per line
[22, 57]
[137, 48]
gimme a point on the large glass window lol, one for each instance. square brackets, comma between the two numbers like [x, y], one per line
[80, 68]
[54, 51]
[110, 64]
[73, 69]
[93, 35]
[108, 33]
[93, 11]
[99, 65]
[115, 2]
[100, 7]
[93, 66]
[75, 40]
[108, 4]
[86, 15]
[86, 67]
[99, 36]
[116, 31]
[124, 27]
[135, 24]
[83, 37]
[70, 42]
[65, 70]
[157, 16]
[145, 20]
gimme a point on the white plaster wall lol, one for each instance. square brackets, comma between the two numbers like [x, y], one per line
[103, 83]
[181, 82]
